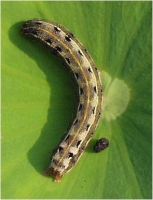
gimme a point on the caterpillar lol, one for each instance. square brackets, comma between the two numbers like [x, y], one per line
[64, 44]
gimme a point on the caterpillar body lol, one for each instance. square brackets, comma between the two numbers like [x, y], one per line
[87, 76]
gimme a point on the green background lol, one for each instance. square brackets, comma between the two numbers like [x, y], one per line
[39, 101]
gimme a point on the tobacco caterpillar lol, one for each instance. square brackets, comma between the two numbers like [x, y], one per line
[87, 76]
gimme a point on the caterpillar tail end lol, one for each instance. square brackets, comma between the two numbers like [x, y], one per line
[55, 174]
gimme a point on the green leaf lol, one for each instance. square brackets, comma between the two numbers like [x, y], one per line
[39, 101]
